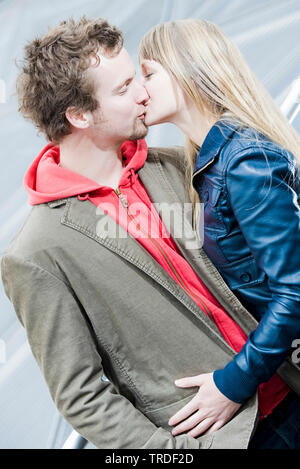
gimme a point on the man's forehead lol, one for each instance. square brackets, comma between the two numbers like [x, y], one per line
[104, 60]
[107, 59]
[113, 67]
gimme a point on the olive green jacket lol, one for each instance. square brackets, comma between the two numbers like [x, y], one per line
[95, 305]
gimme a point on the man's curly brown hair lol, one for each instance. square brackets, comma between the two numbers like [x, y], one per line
[54, 77]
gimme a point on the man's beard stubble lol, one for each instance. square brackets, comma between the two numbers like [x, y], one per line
[140, 130]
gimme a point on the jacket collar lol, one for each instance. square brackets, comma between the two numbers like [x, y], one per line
[215, 140]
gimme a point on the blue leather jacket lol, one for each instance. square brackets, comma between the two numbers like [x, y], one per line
[250, 188]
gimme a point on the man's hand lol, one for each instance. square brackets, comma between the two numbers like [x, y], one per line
[208, 410]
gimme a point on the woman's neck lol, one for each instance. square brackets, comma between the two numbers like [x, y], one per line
[194, 124]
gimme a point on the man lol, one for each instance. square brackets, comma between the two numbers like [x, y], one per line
[113, 312]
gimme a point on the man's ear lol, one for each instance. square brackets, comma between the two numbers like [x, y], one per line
[78, 119]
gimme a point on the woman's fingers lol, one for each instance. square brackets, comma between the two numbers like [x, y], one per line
[185, 412]
[216, 426]
[201, 427]
[189, 381]
[187, 424]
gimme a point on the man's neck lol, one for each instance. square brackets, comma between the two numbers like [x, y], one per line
[101, 164]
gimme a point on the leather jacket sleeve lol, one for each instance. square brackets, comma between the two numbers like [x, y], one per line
[261, 190]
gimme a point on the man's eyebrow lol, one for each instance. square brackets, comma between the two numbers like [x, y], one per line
[127, 80]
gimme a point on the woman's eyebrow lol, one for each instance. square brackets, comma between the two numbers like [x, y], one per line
[145, 65]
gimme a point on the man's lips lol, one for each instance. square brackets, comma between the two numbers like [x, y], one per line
[143, 114]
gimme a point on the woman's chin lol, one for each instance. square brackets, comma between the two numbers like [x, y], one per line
[150, 121]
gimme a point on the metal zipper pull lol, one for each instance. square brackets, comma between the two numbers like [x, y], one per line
[122, 198]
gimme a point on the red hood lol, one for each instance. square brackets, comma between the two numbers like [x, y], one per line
[45, 180]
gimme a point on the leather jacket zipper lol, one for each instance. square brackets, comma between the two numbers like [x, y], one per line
[157, 245]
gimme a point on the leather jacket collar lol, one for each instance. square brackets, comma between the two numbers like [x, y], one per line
[213, 143]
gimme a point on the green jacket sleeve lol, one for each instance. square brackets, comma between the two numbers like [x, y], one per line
[65, 349]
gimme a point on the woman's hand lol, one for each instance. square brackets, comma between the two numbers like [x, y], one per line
[208, 410]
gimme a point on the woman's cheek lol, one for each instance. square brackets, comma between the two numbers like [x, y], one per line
[151, 117]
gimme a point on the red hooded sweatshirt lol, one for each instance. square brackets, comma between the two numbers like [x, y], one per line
[131, 207]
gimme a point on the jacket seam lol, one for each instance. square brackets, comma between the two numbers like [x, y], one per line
[122, 369]
[158, 163]
[241, 153]
[38, 266]
[251, 427]
[231, 297]
[155, 155]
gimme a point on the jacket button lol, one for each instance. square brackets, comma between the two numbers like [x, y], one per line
[246, 277]
[205, 196]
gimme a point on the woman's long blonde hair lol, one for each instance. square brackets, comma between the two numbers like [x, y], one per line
[210, 68]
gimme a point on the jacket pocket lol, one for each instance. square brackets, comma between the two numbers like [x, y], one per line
[161, 416]
[242, 273]
[210, 196]
[209, 193]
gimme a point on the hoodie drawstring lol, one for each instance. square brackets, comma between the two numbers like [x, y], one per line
[83, 197]
[132, 176]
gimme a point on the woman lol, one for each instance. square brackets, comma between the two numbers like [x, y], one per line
[243, 166]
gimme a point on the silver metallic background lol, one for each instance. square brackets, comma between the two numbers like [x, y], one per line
[268, 33]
